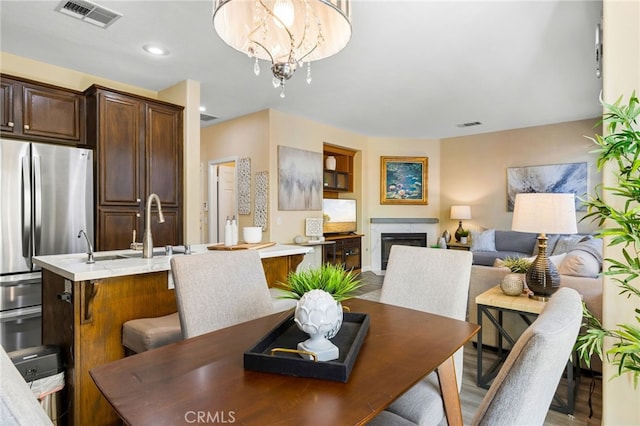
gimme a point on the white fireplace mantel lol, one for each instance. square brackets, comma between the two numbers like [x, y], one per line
[379, 226]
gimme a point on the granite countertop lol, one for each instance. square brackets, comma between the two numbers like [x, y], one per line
[119, 263]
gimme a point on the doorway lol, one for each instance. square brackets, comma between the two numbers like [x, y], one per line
[222, 196]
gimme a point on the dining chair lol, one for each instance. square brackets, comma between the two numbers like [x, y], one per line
[523, 390]
[434, 281]
[219, 289]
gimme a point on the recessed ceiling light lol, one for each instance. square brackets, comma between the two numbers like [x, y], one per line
[154, 49]
[203, 108]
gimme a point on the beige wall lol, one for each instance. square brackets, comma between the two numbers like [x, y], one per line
[63, 77]
[298, 132]
[381, 147]
[466, 170]
[474, 168]
[246, 136]
[187, 93]
[621, 76]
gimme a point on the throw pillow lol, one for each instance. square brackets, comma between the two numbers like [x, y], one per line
[556, 260]
[585, 260]
[566, 243]
[483, 240]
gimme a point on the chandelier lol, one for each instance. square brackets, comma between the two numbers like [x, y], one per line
[287, 33]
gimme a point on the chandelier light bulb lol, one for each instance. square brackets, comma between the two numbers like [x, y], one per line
[284, 14]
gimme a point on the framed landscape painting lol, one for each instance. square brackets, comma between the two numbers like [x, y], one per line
[558, 178]
[403, 180]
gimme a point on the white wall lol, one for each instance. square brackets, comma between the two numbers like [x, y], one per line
[621, 76]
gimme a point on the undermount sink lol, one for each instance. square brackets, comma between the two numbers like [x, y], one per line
[107, 257]
[156, 253]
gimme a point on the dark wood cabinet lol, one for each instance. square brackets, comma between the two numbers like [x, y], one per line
[138, 145]
[40, 112]
[348, 251]
[7, 123]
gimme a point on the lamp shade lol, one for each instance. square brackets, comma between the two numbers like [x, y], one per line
[460, 212]
[548, 213]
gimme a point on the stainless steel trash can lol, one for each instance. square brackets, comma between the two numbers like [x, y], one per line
[43, 369]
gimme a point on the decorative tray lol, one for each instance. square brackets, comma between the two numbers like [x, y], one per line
[287, 335]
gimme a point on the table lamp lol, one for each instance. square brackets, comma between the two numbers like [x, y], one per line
[460, 212]
[544, 213]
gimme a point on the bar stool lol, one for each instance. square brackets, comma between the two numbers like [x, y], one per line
[144, 334]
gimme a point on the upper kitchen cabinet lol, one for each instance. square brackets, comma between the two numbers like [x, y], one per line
[138, 145]
[338, 178]
[41, 112]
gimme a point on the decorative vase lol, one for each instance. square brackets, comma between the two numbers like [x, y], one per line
[319, 315]
[512, 284]
[447, 236]
[330, 163]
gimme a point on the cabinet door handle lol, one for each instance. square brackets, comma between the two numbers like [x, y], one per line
[10, 124]
[26, 127]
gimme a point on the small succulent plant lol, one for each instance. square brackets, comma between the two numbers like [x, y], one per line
[334, 279]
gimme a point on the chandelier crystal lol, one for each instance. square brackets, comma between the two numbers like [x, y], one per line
[287, 33]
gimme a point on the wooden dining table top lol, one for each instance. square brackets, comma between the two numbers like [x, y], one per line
[202, 379]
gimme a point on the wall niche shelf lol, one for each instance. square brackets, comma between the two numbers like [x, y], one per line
[340, 179]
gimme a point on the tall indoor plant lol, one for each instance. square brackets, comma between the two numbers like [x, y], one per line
[620, 223]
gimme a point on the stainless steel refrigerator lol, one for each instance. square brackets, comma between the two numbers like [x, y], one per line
[46, 198]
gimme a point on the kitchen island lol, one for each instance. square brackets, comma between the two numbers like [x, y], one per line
[85, 305]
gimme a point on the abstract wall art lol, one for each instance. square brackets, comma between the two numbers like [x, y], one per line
[557, 178]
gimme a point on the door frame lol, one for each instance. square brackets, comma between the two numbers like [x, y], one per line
[212, 193]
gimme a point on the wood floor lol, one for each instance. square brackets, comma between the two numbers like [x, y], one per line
[471, 395]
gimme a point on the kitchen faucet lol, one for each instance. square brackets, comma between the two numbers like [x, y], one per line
[90, 258]
[147, 239]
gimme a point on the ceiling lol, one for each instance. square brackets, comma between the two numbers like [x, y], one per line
[413, 69]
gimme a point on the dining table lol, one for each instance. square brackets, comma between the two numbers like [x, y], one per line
[203, 379]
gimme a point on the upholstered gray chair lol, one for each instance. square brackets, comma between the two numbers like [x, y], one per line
[434, 281]
[18, 405]
[523, 390]
[219, 289]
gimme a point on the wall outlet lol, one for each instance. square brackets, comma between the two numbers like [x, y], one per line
[67, 286]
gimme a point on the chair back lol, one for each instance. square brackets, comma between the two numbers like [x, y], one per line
[219, 289]
[523, 390]
[428, 279]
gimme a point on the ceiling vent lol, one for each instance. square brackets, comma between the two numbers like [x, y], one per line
[205, 117]
[89, 12]
[469, 124]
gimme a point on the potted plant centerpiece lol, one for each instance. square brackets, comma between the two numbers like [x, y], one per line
[320, 293]
[513, 284]
[464, 236]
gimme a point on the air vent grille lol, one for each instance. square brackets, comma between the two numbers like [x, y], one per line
[469, 124]
[205, 117]
[88, 12]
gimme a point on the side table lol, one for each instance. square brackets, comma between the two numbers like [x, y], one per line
[494, 301]
[458, 246]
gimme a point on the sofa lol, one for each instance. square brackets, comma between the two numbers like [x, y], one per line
[577, 257]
